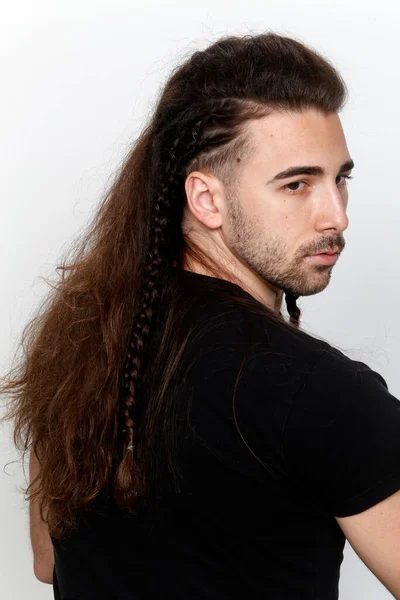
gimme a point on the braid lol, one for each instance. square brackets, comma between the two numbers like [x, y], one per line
[292, 308]
[127, 479]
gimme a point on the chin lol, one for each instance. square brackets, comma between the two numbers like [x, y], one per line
[309, 286]
[311, 290]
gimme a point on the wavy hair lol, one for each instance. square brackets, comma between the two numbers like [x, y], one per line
[93, 395]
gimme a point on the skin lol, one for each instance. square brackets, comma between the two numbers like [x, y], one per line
[263, 231]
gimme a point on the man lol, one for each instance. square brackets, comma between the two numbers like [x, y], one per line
[249, 450]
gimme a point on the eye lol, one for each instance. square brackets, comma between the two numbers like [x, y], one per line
[346, 178]
[290, 189]
[293, 190]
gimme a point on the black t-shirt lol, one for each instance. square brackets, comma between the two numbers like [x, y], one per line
[304, 434]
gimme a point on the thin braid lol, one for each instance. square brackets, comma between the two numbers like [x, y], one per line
[292, 308]
[158, 259]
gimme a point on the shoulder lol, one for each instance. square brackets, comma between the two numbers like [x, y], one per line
[268, 343]
[268, 354]
[341, 437]
[340, 379]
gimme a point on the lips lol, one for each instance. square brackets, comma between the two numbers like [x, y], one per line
[323, 258]
[329, 252]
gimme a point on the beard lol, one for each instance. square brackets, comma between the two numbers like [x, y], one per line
[266, 254]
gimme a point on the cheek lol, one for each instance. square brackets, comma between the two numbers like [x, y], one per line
[284, 222]
[278, 215]
[293, 208]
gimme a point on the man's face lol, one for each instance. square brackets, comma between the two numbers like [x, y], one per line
[273, 224]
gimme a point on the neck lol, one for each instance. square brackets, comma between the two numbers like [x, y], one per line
[265, 293]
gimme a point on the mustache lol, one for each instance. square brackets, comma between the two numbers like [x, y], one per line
[334, 244]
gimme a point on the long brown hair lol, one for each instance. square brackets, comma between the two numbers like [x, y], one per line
[93, 394]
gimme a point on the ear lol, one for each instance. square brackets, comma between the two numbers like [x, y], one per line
[204, 195]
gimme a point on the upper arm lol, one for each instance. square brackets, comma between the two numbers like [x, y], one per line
[342, 443]
[42, 546]
[374, 534]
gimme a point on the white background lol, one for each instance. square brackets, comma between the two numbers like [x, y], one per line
[78, 82]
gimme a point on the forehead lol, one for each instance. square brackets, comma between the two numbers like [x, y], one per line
[292, 137]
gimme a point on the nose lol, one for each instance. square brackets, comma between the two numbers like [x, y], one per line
[332, 210]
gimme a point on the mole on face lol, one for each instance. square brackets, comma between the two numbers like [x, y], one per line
[238, 159]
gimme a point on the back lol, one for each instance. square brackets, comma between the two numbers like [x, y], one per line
[272, 463]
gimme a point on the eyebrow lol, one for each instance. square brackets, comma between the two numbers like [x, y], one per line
[292, 171]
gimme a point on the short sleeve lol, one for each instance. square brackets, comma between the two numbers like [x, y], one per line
[341, 440]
